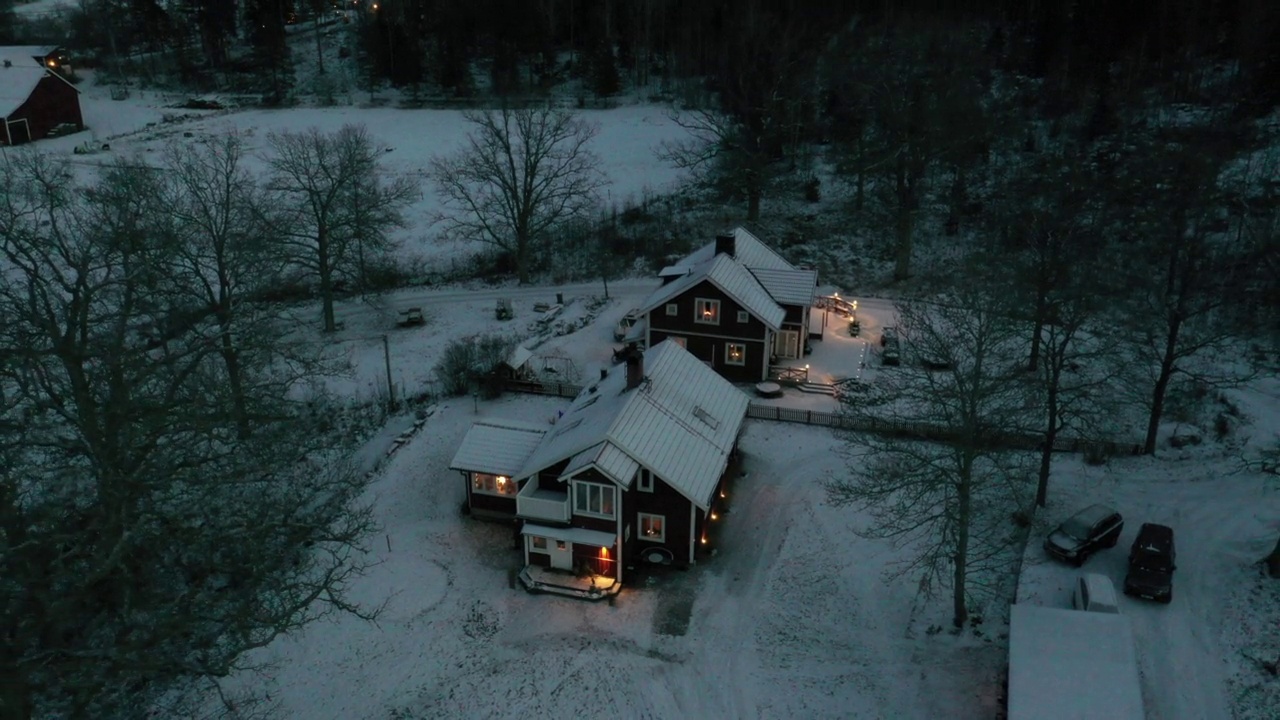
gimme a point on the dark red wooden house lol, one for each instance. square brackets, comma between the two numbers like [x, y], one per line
[633, 472]
[34, 99]
[735, 304]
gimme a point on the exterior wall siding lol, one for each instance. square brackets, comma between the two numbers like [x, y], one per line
[664, 501]
[51, 103]
[707, 342]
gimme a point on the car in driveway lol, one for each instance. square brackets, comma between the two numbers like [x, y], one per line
[890, 354]
[1151, 564]
[1094, 593]
[1092, 529]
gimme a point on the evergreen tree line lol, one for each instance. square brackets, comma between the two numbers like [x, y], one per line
[526, 46]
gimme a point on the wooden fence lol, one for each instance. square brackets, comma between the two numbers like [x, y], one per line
[568, 390]
[933, 431]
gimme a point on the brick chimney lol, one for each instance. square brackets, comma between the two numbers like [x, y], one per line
[725, 243]
[635, 366]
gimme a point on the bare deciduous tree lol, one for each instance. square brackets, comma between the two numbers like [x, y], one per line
[949, 501]
[334, 209]
[521, 174]
[226, 254]
[1180, 272]
[143, 540]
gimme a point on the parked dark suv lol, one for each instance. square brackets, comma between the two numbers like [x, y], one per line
[1151, 564]
[1081, 535]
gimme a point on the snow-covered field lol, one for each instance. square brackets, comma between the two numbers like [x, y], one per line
[141, 125]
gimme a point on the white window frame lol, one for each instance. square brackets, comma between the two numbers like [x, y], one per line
[533, 543]
[644, 482]
[700, 306]
[650, 517]
[599, 489]
[487, 484]
[728, 354]
[744, 317]
[672, 309]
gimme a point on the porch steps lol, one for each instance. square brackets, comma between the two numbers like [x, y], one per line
[816, 388]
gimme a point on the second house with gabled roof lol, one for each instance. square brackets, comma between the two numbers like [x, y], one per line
[633, 472]
[735, 304]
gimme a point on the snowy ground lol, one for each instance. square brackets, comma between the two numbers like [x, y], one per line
[142, 124]
[791, 618]
[1195, 653]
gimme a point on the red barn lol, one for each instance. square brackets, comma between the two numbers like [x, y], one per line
[33, 98]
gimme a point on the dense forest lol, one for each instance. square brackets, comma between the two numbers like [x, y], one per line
[1088, 46]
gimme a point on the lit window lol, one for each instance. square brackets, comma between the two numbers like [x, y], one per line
[653, 527]
[539, 543]
[593, 499]
[743, 317]
[735, 354]
[682, 342]
[673, 309]
[706, 311]
[487, 484]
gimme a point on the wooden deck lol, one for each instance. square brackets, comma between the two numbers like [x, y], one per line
[587, 587]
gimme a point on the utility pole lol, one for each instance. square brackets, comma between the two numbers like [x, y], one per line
[391, 388]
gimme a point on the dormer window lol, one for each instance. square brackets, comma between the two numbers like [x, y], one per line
[706, 311]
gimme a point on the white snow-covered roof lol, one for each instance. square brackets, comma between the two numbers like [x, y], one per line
[748, 250]
[500, 447]
[16, 85]
[733, 280]
[518, 357]
[571, 534]
[680, 423]
[1071, 665]
[788, 287]
[24, 54]
[605, 456]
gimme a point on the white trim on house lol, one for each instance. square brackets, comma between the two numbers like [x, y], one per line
[581, 536]
[579, 485]
[693, 531]
[741, 358]
[706, 311]
[492, 488]
[644, 481]
[661, 536]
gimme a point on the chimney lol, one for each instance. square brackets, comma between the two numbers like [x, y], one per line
[725, 243]
[635, 367]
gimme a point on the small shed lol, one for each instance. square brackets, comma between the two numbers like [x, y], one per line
[516, 365]
[34, 99]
